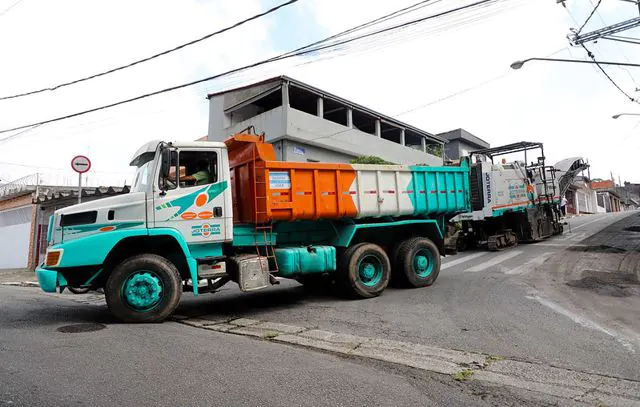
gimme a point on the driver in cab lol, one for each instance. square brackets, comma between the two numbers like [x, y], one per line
[199, 177]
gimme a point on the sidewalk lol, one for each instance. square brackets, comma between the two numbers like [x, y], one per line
[20, 277]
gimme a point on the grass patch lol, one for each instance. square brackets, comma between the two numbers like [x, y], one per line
[464, 375]
[493, 358]
[270, 334]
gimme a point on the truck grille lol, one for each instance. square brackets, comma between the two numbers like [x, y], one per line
[475, 185]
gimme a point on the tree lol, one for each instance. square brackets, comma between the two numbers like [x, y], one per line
[435, 149]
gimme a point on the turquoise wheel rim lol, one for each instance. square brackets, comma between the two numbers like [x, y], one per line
[370, 270]
[423, 263]
[143, 290]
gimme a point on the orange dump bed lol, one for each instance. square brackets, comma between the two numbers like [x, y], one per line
[265, 189]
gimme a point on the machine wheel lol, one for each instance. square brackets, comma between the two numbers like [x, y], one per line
[364, 270]
[143, 288]
[417, 262]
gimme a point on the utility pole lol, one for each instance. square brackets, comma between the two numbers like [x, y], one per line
[607, 33]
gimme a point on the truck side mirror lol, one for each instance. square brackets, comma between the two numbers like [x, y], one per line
[165, 166]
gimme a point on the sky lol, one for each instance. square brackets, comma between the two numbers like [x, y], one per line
[440, 75]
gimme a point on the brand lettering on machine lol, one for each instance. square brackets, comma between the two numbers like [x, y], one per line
[487, 182]
[205, 230]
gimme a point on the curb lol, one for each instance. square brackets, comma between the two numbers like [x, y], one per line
[21, 283]
[578, 386]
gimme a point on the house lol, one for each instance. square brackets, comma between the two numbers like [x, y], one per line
[307, 124]
[461, 143]
[25, 208]
[607, 195]
[581, 198]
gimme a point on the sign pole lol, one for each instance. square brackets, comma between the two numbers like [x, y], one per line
[80, 164]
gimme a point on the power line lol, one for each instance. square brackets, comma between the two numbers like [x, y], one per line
[303, 51]
[589, 18]
[460, 92]
[386, 17]
[624, 55]
[110, 71]
[9, 8]
[590, 54]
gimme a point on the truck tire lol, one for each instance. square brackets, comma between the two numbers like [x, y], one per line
[143, 288]
[364, 271]
[417, 262]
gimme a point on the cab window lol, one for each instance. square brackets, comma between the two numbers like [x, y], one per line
[191, 168]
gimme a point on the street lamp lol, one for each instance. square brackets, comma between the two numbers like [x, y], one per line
[615, 116]
[518, 64]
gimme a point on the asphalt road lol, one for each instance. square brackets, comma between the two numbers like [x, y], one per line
[54, 351]
[482, 301]
[488, 302]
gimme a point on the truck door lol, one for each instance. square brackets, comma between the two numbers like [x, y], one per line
[191, 199]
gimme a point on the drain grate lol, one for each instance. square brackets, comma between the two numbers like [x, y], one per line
[79, 328]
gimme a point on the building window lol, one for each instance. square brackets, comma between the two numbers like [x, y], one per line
[364, 122]
[303, 100]
[391, 133]
[262, 104]
[335, 112]
[413, 140]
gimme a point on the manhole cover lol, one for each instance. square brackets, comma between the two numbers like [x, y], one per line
[78, 328]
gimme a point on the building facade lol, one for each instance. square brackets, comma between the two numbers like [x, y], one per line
[24, 218]
[461, 143]
[307, 124]
[608, 197]
[581, 198]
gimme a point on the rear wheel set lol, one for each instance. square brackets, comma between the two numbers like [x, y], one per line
[364, 270]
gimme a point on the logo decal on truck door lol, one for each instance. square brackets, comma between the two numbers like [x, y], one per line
[205, 230]
[198, 198]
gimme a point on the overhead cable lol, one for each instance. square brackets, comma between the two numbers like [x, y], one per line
[303, 51]
[120, 68]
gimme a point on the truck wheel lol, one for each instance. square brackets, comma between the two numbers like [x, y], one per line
[143, 288]
[417, 262]
[364, 270]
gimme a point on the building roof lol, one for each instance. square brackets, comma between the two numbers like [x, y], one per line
[325, 94]
[606, 184]
[47, 194]
[462, 134]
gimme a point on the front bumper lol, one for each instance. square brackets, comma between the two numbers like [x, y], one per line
[50, 280]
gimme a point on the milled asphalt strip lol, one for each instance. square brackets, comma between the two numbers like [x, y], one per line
[579, 386]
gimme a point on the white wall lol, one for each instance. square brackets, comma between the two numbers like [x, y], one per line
[315, 134]
[15, 230]
[270, 122]
[315, 131]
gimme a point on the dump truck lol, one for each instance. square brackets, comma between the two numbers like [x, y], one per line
[203, 214]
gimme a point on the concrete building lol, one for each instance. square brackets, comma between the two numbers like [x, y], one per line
[608, 197]
[461, 143]
[308, 124]
[581, 198]
[24, 217]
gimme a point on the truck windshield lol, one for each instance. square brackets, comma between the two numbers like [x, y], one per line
[141, 178]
